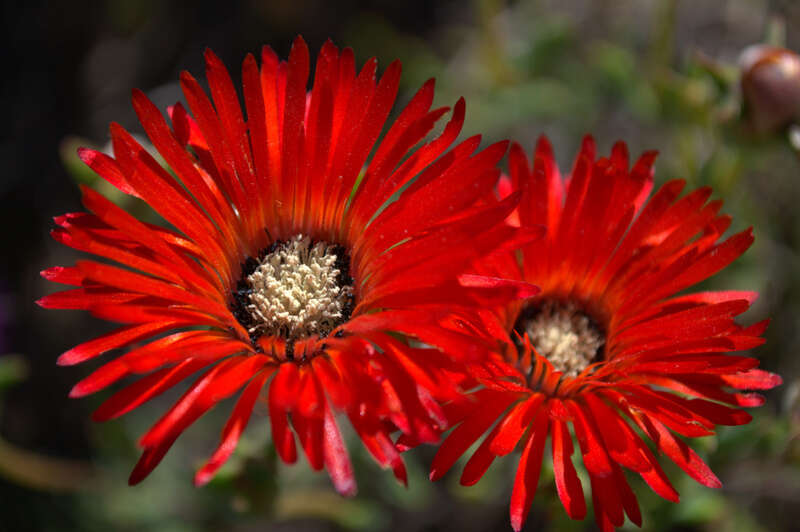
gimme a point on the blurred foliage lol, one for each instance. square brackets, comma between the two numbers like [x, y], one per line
[13, 369]
[659, 74]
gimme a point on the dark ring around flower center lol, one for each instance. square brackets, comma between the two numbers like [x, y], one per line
[294, 289]
[562, 332]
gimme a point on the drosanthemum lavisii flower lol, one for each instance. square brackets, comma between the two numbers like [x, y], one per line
[608, 347]
[288, 271]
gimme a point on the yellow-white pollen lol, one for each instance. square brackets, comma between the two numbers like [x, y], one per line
[297, 291]
[564, 335]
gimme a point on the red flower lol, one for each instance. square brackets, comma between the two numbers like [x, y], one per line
[607, 346]
[289, 266]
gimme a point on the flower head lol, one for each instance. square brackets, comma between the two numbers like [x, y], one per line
[290, 270]
[608, 347]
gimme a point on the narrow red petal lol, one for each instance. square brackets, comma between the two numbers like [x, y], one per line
[336, 458]
[567, 483]
[233, 428]
[527, 477]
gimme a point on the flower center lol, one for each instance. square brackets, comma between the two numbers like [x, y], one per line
[297, 289]
[561, 332]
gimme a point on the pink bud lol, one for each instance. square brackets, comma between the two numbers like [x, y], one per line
[770, 86]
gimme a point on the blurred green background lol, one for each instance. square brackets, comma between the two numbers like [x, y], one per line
[660, 74]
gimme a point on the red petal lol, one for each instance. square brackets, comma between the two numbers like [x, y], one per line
[234, 133]
[477, 465]
[466, 433]
[595, 456]
[680, 453]
[621, 443]
[113, 340]
[284, 388]
[310, 432]
[222, 381]
[64, 275]
[127, 280]
[213, 386]
[172, 202]
[513, 425]
[146, 388]
[527, 477]
[754, 379]
[205, 191]
[522, 289]
[567, 483]
[233, 428]
[282, 436]
[337, 461]
[107, 168]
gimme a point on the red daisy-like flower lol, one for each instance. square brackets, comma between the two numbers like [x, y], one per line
[288, 269]
[607, 346]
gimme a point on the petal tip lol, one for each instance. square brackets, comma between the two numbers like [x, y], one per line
[77, 391]
[87, 155]
[202, 478]
[65, 359]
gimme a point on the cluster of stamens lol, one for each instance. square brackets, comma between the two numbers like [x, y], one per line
[562, 333]
[297, 288]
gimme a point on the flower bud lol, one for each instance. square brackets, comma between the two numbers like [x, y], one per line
[770, 86]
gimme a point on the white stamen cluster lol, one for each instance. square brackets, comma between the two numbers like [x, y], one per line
[296, 290]
[564, 335]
